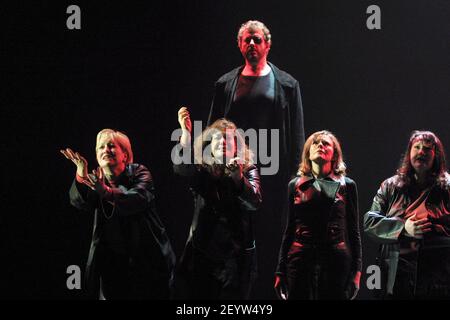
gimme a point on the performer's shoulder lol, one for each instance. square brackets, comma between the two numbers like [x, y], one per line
[136, 169]
[349, 181]
[446, 178]
[229, 75]
[293, 182]
[284, 77]
[393, 182]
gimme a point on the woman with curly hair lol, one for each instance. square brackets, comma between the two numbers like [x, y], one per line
[219, 260]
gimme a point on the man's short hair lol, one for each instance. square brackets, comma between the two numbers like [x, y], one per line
[253, 25]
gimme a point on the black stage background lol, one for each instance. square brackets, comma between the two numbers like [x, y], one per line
[132, 65]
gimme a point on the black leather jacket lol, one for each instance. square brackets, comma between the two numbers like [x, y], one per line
[141, 232]
[222, 224]
[322, 213]
[385, 223]
[289, 117]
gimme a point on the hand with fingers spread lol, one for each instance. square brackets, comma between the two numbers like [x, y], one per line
[184, 119]
[416, 227]
[78, 160]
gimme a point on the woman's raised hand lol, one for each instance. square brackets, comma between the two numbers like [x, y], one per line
[78, 160]
[184, 119]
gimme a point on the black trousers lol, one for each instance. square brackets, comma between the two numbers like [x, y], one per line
[317, 273]
[122, 279]
[424, 274]
[229, 279]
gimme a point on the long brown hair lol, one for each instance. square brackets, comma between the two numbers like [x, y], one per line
[338, 166]
[405, 172]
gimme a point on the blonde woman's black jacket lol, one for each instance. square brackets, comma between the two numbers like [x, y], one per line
[141, 233]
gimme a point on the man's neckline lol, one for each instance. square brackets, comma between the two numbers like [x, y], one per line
[266, 71]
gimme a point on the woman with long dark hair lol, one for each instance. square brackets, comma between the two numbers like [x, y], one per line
[410, 220]
[320, 255]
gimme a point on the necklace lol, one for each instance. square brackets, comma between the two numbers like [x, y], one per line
[104, 212]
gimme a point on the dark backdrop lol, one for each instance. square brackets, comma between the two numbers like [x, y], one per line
[132, 65]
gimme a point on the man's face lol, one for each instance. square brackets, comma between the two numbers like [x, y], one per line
[109, 153]
[422, 156]
[253, 46]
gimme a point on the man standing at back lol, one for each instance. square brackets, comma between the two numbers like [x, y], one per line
[258, 95]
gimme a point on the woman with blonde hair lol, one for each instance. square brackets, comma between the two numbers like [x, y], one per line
[219, 260]
[130, 255]
[320, 255]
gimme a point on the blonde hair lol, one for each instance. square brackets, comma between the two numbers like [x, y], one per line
[338, 165]
[120, 138]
